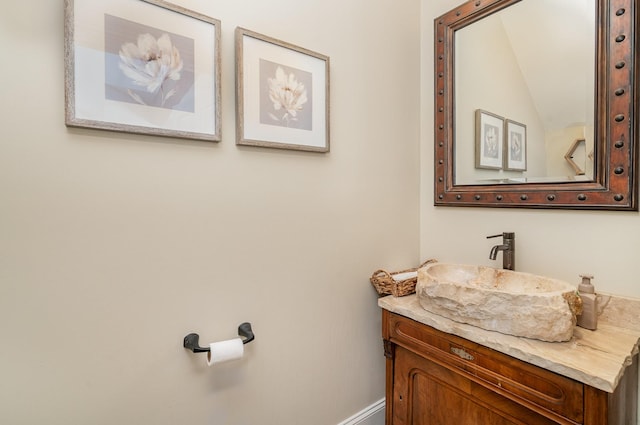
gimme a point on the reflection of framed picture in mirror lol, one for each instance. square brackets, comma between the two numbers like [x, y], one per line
[516, 146]
[489, 140]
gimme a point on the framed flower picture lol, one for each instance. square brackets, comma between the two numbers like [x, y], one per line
[282, 98]
[142, 66]
[516, 146]
[489, 140]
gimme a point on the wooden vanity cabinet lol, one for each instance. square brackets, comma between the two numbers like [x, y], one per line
[435, 378]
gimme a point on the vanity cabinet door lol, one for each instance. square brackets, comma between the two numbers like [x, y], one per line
[426, 393]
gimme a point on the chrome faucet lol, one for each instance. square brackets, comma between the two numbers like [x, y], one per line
[508, 249]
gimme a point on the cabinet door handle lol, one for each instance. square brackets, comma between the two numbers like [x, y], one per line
[460, 352]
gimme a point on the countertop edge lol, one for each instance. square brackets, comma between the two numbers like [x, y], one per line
[589, 357]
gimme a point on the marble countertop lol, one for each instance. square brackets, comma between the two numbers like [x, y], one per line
[596, 358]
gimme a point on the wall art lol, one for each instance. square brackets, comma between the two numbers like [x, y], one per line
[489, 140]
[516, 146]
[282, 98]
[142, 66]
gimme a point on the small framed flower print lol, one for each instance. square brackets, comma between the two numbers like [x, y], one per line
[142, 66]
[516, 146]
[489, 140]
[282, 98]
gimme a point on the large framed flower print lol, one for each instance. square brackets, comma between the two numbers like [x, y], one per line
[282, 94]
[142, 66]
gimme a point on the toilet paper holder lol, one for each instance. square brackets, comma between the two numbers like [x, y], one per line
[192, 341]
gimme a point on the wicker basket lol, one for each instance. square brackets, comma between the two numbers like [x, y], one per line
[385, 283]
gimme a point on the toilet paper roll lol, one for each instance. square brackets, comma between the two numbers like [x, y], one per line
[224, 351]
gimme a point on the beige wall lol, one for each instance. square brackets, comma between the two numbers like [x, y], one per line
[560, 244]
[114, 246]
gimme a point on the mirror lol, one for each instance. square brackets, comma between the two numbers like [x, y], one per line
[554, 103]
[513, 98]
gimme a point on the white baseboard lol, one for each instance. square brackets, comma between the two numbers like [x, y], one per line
[371, 415]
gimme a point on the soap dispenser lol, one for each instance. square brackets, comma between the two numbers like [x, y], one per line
[589, 317]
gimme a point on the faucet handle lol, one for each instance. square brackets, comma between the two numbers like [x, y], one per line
[508, 235]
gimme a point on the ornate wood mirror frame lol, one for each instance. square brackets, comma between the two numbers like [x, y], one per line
[614, 186]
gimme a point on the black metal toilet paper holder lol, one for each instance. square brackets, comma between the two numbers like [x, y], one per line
[192, 341]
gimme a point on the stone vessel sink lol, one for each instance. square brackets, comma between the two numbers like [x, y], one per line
[505, 301]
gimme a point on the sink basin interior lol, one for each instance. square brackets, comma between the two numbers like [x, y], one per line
[492, 279]
[506, 301]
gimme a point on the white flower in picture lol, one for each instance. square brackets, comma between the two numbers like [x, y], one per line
[287, 94]
[150, 63]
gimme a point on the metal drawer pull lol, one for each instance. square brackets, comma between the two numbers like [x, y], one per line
[460, 352]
